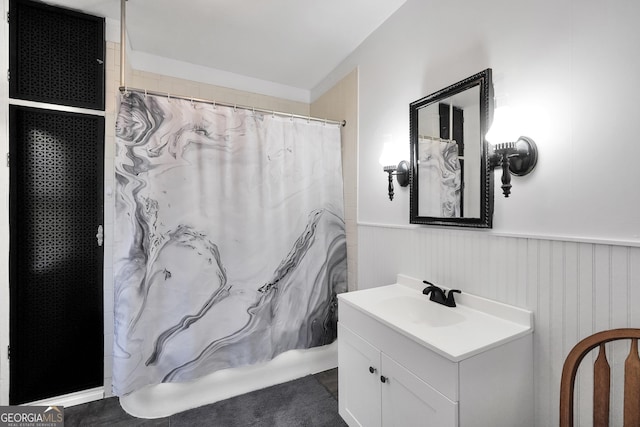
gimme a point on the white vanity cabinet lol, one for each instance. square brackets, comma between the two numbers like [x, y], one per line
[359, 391]
[402, 399]
[398, 367]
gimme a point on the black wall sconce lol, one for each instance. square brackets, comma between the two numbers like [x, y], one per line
[402, 175]
[516, 158]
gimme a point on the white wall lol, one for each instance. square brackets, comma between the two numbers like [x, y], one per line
[566, 243]
[576, 60]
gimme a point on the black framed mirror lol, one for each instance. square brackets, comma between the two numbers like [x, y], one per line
[451, 179]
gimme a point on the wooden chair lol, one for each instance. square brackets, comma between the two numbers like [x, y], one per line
[601, 379]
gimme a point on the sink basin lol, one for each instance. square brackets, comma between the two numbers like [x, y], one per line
[418, 309]
[473, 326]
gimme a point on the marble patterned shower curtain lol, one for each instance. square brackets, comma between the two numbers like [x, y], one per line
[439, 176]
[229, 238]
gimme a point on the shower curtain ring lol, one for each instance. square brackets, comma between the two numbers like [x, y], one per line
[145, 94]
[214, 105]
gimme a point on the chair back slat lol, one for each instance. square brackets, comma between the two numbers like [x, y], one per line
[602, 369]
[632, 387]
[601, 388]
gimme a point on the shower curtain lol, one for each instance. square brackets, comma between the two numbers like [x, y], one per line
[439, 176]
[229, 241]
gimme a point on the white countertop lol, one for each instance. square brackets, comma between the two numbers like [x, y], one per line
[475, 325]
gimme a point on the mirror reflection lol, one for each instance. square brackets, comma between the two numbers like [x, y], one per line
[450, 178]
[449, 156]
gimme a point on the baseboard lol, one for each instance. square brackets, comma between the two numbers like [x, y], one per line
[71, 399]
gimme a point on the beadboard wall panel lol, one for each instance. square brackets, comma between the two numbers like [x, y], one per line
[573, 288]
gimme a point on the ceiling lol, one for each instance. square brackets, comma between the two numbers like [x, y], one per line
[290, 42]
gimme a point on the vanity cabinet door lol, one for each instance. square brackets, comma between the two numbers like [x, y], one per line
[358, 380]
[408, 401]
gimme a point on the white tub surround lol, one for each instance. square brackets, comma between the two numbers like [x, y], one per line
[426, 364]
[166, 399]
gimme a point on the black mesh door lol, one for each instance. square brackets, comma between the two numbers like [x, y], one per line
[56, 55]
[56, 334]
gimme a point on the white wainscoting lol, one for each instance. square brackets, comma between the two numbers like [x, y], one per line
[573, 288]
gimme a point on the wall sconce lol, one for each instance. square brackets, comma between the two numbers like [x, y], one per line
[516, 158]
[387, 160]
[402, 175]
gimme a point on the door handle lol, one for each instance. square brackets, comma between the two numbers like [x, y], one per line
[100, 235]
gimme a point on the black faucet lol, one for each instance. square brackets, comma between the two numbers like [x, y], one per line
[438, 295]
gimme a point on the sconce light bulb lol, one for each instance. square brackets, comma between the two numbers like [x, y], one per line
[390, 154]
[504, 127]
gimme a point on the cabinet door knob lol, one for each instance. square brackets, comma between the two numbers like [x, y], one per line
[383, 378]
[372, 369]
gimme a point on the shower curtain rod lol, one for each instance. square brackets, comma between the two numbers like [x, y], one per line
[125, 90]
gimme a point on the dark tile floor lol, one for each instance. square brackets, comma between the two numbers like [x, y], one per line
[329, 379]
[107, 412]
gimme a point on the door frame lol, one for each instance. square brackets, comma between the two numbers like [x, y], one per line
[4, 208]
